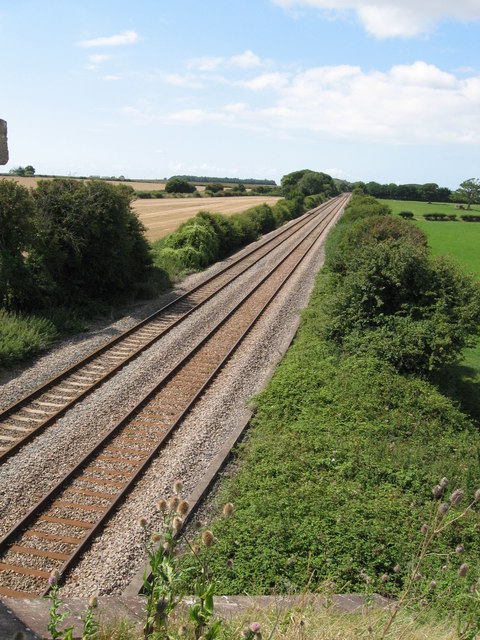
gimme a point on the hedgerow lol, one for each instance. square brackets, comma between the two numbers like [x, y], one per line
[208, 237]
[335, 479]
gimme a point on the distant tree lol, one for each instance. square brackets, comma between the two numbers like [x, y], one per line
[468, 192]
[176, 185]
[307, 183]
[17, 171]
[29, 170]
[216, 187]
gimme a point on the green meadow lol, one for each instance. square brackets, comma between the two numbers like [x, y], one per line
[461, 240]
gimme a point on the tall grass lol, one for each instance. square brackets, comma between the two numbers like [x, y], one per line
[22, 336]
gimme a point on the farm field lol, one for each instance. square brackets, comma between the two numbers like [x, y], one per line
[161, 217]
[460, 240]
[138, 185]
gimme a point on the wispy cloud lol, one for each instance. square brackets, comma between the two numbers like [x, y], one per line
[395, 18]
[245, 60]
[126, 37]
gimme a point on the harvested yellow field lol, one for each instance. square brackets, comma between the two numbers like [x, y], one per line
[161, 217]
[138, 185]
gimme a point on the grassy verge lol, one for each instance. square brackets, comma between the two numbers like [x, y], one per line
[305, 622]
[334, 487]
[22, 336]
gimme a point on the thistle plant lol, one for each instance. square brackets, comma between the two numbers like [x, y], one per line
[90, 624]
[164, 574]
[442, 515]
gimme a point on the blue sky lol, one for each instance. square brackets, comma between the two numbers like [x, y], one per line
[385, 90]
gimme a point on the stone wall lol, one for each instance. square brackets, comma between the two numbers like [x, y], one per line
[3, 142]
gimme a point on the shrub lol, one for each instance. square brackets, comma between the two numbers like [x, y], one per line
[393, 293]
[198, 242]
[439, 217]
[470, 218]
[176, 185]
[406, 215]
[22, 336]
[365, 231]
[88, 242]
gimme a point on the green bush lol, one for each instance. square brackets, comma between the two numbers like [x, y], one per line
[406, 215]
[470, 218]
[16, 232]
[176, 185]
[88, 241]
[199, 236]
[23, 336]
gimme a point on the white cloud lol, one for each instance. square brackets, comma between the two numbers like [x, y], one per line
[206, 63]
[98, 58]
[245, 60]
[265, 81]
[188, 81]
[396, 18]
[409, 104]
[126, 37]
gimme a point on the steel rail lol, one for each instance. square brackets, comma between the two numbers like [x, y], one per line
[85, 389]
[35, 512]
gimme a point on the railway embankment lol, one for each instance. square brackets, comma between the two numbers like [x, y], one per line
[333, 489]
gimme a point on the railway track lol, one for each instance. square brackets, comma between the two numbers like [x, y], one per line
[59, 528]
[26, 418]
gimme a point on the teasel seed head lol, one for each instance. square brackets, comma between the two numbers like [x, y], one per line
[177, 487]
[443, 508]
[463, 570]
[207, 538]
[228, 509]
[162, 504]
[460, 549]
[173, 503]
[183, 508]
[456, 497]
[437, 491]
[177, 524]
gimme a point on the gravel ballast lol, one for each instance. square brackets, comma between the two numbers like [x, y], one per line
[117, 554]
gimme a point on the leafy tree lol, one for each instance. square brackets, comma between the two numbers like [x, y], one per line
[176, 185]
[308, 183]
[468, 192]
[215, 187]
[29, 170]
[16, 209]
[88, 240]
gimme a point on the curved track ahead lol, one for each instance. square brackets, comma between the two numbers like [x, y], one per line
[60, 527]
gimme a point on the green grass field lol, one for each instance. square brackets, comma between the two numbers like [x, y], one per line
[461, 240]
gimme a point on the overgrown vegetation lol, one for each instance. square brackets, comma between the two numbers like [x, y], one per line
[70, 249]
[336, 477]
[209, 237]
